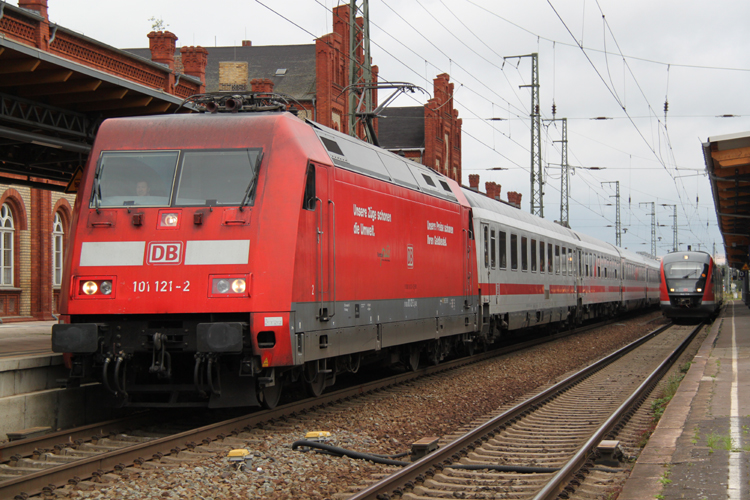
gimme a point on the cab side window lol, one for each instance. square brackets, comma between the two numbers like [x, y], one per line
[309, 201]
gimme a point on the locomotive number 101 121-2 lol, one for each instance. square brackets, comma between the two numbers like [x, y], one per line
[159, 286]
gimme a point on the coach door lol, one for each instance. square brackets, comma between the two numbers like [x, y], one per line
[468, 237]
[326, 241]
[579, 276]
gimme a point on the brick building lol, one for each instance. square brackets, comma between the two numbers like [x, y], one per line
[429, 134]
[315, 75]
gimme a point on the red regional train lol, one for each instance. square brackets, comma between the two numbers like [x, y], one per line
[691, 285]
[217, 257]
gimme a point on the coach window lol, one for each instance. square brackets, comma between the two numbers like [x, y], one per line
[524, 253]
[571, 271]
[503, 244]
[557, 259]
[309, 201]
[586, 260]
[592, 261]
[486, 248]
[533, 256]
[492, 248]
[542, 261]
[598, 266]
[549, 258]
[513, 252]
[563, 265]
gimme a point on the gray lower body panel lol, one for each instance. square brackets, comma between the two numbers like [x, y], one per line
[373, 325]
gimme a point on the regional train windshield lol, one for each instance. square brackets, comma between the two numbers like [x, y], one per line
[176, 178]
[685, 276]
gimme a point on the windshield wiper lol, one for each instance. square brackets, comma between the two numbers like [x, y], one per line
[97, 191]
[251, 186]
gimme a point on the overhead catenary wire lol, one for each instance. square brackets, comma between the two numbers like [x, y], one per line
[497, 148]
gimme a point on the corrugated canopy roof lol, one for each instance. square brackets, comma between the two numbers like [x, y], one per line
[728, 165]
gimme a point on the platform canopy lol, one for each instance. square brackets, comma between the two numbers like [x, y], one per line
[57, 86]
[728, 165]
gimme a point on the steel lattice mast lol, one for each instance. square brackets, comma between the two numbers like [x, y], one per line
[618, 227]
[653, 225]
[675, 241]
[360, 75]
[565, 177]
[537, 179]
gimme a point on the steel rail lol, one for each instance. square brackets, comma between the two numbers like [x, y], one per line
[87, 467]
[25, 447]
[419, 470]
[563, 477]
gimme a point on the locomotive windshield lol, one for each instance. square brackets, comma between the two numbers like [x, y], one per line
[685, 276]
[176, 178]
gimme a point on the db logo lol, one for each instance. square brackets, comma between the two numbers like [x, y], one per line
[165, 253]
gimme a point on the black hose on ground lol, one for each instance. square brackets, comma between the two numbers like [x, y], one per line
[346, 453]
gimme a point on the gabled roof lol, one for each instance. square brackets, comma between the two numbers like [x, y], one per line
[263, 61]
[401, 128]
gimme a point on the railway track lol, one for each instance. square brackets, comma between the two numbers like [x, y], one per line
[548, 443]
[47, 462]
[34, 465]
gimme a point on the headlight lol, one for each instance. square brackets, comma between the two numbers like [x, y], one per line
[90, 288]
[95, 287]
[222, 286]
[238, 286]
[228, 286]
[698, 289]
[169, 219]
[671, 289]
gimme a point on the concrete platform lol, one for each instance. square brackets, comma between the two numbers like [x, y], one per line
[31, 380]
[701, 446]
[24, 339]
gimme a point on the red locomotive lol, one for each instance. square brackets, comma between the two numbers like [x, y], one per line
[691, 285]
[216, 257]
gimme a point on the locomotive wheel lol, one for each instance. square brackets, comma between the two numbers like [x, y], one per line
[313, 381]
[271, 395]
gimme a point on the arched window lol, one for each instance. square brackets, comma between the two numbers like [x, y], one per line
[6, 245]
[58, 233]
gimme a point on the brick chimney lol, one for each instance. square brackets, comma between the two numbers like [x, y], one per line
[38, 5]
[194, 61]
[162, 45]
[493, 190]
[261, 85]
[514, 198]
[488, 189]
[474, 182]
[247, 43]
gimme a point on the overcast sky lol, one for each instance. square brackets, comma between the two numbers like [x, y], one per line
[692, 54]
